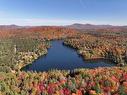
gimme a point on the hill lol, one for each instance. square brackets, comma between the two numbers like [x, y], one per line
[91, 26]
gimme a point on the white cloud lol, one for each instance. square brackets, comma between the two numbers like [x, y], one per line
[36, 22]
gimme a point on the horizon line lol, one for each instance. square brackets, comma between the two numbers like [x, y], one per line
[56, 22]
[59, 25]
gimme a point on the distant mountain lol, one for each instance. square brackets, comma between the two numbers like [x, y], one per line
[9, 26]
[74, 26]
[90, 26]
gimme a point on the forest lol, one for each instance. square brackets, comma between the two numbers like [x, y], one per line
[21, 46]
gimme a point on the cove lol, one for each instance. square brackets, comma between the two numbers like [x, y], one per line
[62, 57]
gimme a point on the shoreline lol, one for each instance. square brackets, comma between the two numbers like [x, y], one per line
[88, 59]
[85, 60]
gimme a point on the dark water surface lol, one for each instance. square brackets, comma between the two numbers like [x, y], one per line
[63, 58]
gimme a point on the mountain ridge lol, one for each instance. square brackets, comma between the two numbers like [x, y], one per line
[74, 26]
[92, 26]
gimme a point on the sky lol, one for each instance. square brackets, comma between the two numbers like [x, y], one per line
[63, 12]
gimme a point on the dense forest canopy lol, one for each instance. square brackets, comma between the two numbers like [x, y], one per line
[20, 46]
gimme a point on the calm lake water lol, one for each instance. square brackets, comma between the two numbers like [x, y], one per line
[63, 58]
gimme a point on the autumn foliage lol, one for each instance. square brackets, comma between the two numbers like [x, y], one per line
[20, 46]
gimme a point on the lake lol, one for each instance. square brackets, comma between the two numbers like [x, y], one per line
[62, 57]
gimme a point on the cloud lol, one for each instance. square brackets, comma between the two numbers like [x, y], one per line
[39, 22]
[35, 22]
[52, 21]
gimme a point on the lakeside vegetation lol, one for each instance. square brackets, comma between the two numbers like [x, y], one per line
[19, 47]
[18, 52]
[110, 47]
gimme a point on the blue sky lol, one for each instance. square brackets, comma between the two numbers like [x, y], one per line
[63, 12]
